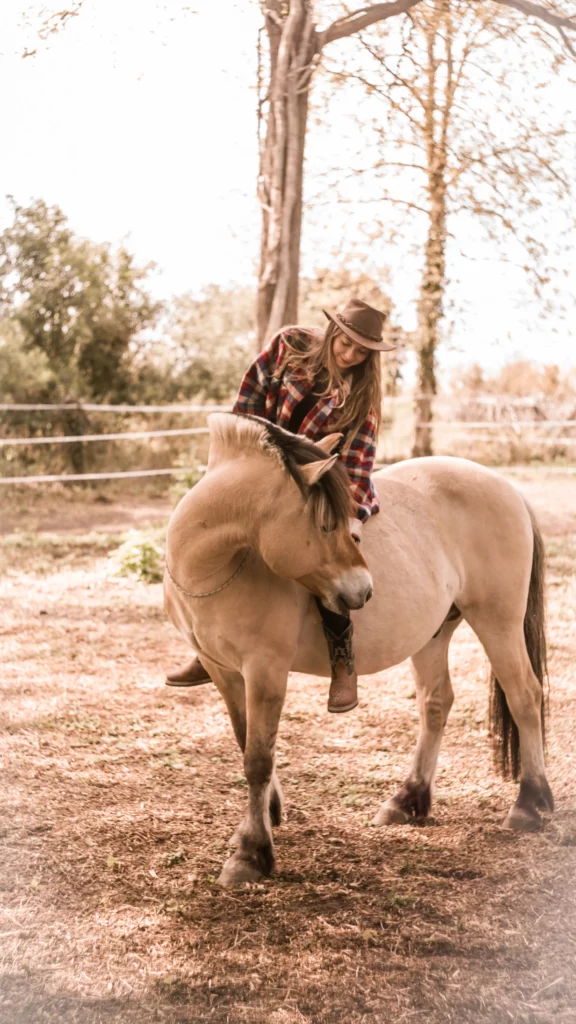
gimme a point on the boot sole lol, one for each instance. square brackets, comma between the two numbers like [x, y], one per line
[342, 711]
[185, 682]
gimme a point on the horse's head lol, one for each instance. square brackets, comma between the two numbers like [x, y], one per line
[301, 507]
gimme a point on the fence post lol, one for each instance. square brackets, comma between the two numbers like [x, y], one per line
[75, 422]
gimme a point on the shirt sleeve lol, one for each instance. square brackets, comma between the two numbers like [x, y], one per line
[358, 457]
[255, 385]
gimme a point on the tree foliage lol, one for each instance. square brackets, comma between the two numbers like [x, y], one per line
[79, 307]
[210, 342]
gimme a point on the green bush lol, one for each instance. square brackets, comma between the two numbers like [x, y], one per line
[140, 557]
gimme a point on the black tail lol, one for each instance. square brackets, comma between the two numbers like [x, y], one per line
[505, 738]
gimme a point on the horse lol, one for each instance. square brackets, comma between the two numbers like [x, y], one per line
[266, 530]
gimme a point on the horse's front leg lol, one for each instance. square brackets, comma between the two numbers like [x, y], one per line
[233, 691]
[265, 692]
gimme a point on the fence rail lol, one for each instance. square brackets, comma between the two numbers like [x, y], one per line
[81, 438]
[489, 400]
[75, 477]
[189, 431]
[489, 427]
[495, 425]
[79, 407]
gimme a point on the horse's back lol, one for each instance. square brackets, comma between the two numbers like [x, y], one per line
[449, 476]
[459, 492]
[482, 518]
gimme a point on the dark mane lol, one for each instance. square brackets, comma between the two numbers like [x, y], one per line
[329, 500]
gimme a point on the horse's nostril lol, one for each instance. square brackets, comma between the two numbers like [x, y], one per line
[369, 594]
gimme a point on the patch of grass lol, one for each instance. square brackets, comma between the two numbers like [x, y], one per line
[44, 554]
[397, 899]
[139, 556]
[175, 858]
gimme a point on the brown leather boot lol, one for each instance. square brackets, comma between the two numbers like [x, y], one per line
[193, 675]
[343, 694]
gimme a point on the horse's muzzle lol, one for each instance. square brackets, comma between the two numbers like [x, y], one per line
[355, 591]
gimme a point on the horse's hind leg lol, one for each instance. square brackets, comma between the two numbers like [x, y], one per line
[505, 646]
[435, 697]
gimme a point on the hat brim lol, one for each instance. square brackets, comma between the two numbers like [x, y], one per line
[376, 346]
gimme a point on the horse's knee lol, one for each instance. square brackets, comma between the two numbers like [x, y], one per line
[258, 766]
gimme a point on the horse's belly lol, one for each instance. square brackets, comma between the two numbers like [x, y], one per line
[381, 638]
[415, 581]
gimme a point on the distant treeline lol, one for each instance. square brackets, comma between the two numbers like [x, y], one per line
[77, 321]
[78, 324]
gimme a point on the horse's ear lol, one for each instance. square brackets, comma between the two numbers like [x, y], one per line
[312, 472]
[327, 444]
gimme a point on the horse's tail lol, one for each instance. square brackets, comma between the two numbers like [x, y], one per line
[505, 737]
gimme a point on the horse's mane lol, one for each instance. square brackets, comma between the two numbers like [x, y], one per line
[329, 500]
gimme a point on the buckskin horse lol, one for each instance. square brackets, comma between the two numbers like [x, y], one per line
[267, 528]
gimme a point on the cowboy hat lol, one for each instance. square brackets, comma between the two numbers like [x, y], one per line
[362, 324]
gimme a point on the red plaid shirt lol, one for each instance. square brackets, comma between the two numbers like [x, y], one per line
[264, 394]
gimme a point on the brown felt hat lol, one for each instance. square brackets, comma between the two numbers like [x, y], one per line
[362, 324]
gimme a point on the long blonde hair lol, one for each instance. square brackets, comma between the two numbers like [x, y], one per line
[360, 391]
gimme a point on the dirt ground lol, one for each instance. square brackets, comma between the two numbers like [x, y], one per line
[120, 796]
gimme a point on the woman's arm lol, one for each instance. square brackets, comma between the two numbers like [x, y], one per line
[358, 457]
[255, 385]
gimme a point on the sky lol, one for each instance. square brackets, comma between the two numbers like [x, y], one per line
[138, 119]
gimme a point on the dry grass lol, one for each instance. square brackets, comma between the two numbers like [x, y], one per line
[120, 797]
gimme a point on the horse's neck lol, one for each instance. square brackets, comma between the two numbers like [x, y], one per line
[211, 524]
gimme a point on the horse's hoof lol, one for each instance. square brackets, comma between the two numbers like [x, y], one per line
[521, 820]
[390, 814]
[237, 871]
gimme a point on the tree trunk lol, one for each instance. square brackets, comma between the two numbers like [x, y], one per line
[294, 48]
[429, 315]
[434, 274]
[292, 41]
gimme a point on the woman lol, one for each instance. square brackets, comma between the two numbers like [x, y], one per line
[315, 383]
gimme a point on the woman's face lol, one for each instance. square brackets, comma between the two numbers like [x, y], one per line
[347, 353]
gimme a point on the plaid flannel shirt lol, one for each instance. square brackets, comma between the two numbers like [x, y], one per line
[264, 394]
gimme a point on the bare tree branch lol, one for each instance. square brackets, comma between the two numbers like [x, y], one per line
[393, 74]
[363, 18]
[566, 42]
[559, 21]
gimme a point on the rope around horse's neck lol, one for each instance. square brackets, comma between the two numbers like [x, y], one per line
[210, 593]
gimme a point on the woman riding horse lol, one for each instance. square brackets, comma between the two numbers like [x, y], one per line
[313, 383]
